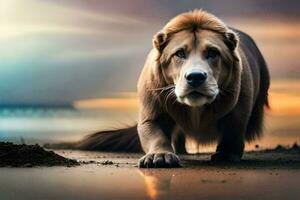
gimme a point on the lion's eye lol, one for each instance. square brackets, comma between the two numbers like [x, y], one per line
[180, 53]
[212, 53]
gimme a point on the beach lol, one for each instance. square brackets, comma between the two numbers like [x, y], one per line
[272, 174]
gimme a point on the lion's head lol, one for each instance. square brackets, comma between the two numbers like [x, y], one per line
[197, 54]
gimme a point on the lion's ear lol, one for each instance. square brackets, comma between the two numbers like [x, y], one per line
[160, 40]
[231, 40]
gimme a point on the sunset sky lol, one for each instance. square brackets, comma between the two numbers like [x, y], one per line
[63, 51]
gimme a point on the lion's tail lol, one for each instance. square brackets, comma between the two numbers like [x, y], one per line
[120, 140]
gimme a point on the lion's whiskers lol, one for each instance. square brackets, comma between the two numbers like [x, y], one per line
[162, 88]
[171, 94]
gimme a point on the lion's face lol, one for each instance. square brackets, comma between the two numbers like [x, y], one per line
[195, 64]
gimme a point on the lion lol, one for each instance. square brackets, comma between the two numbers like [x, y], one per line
[202, 80]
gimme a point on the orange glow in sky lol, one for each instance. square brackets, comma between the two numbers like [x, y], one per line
[121, 103]
[284, 99]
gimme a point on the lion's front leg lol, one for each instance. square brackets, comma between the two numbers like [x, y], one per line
[231, 145]
[159, 152]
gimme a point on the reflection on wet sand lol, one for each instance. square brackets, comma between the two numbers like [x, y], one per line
[219, 183]
[157, 184]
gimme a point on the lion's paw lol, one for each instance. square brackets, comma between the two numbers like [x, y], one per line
[220, 157]
[159, 160]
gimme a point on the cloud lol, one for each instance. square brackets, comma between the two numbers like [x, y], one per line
[22, 17]
[95, 54]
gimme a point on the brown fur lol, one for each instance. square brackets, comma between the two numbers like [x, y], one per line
[235, 115]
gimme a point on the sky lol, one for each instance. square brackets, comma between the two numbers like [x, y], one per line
[86, 52]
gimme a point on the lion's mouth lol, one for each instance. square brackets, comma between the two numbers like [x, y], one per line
[195, 95]
[196, 98]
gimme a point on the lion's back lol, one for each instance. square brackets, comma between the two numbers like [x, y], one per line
[261, 81]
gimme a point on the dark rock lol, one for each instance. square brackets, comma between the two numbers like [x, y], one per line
[30, 155]
[107, 162]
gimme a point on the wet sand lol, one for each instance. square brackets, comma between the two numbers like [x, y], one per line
[261, 175]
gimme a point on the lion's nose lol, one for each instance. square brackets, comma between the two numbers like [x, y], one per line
[195, 79]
